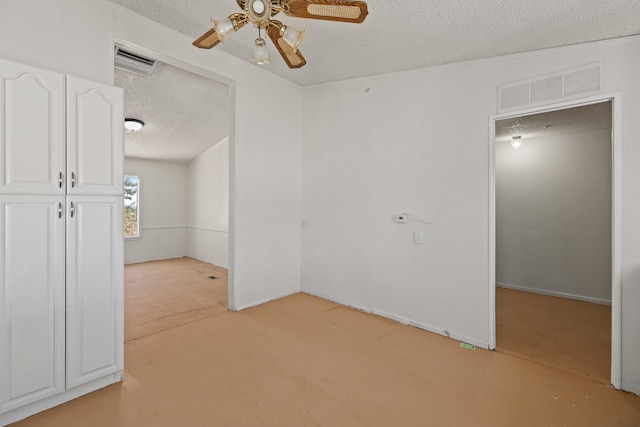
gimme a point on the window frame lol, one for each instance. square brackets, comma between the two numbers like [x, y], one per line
[137, 209]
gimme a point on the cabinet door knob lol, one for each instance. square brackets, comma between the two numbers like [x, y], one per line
[60, 210]
[60, 180]
[72, 210]
[73, 179]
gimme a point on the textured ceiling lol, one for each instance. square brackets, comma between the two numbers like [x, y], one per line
[185, 114]
[407, 34]
[561, 122]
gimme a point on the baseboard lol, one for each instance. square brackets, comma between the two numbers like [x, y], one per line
[554, 294]
[409, 322]
[329, 298]
[432, 329]
[260, 302]
[58, 399]
[399, 319]
[452, 335]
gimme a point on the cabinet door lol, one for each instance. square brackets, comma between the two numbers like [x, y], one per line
[32, 298]
[95, 135]
[95, 277]
[31, 130]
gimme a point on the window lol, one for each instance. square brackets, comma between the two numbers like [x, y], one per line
[131, 206]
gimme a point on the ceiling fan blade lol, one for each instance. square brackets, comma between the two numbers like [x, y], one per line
[330, 10]
[208, 39]
[220, 30]
[291, 56]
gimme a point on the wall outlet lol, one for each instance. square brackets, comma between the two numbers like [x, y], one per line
[418, 237]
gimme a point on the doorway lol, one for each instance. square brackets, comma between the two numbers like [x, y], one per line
[554, 231]
[177, 265]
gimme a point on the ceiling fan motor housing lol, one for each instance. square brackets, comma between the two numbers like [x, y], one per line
[259, 11]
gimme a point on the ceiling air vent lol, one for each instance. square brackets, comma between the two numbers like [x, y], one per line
[551, 88]
[134, 62]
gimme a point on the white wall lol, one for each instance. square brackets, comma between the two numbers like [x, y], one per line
[417, 142]
[77, 36]
[163, 211]
[208, 201]
[184, 208]
[553, 215]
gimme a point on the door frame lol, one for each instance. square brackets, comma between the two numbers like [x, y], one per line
[168, 59]
[616, 163]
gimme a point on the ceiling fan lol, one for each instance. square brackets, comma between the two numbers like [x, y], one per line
[285, 38]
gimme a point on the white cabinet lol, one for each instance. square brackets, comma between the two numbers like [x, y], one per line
[61, 260]
[32, 130]
[32, 133]
[94, 278]
[32, 301]
[94, 122]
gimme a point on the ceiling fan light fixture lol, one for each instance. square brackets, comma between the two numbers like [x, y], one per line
[287, 40]
[133, 125]
[292, 36]
[260, 52]
[223, 27]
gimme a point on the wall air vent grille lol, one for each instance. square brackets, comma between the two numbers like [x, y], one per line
[582, 81]
[552, 88]
[514, 96]
[134, 62]
[548, 89]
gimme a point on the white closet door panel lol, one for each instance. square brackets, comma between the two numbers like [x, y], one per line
[32, 298]
[95, 325]
[32, 127]
[95, 134]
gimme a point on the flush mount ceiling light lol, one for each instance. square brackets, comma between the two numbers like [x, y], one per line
[516, 142]
[286, 39]
[133, 125]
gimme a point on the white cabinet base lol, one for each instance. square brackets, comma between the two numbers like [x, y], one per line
[42, 405]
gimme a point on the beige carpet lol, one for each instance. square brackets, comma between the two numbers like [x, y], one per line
[569, 334]
[305, 361]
